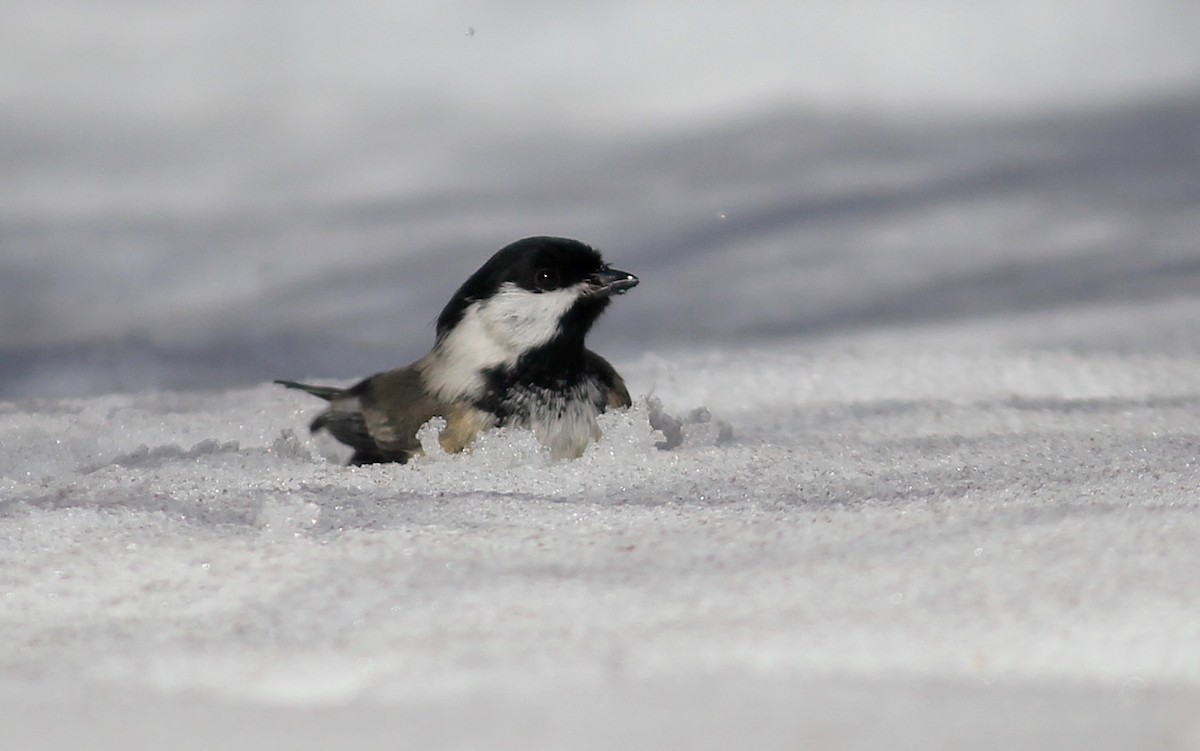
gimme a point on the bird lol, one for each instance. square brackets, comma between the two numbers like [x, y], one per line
[509, 352]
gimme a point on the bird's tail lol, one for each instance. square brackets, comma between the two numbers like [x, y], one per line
[328, 393]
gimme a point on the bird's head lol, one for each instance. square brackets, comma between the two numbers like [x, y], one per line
[535, 292]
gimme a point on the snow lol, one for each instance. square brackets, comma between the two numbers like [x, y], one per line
[911, 519]
[918, 310]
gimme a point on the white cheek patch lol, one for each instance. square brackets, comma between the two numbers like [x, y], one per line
[452, 370]
[524, 319]
[494, 333]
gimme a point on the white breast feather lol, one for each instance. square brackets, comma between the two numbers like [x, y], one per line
[564, 423]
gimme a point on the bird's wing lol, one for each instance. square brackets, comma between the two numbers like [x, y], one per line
[379, 417]
[397, 404]
[394, 405]
[615, 392]
[348, 427]
[343, 419]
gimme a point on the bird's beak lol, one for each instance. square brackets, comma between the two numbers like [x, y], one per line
[611, 282]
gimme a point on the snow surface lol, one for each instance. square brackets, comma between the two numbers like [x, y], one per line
[920, 292]
[914, 536]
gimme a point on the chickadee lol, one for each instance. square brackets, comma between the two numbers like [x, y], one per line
[509, 352]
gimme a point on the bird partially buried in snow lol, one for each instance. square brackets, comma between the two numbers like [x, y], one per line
[509, 352]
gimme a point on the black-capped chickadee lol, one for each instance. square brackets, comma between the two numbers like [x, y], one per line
[509, 352]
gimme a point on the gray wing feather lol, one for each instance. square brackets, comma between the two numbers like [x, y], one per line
[379, 416]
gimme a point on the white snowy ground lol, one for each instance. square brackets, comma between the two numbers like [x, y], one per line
[919, 538]
[938, 272]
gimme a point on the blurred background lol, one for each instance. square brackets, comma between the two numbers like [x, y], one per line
[199, 196]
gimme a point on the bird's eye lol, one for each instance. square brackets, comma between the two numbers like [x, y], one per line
[546, 279]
